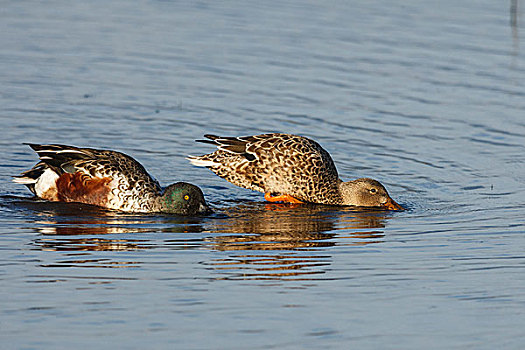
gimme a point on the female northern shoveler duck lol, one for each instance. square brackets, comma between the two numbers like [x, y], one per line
[295, 169]
[107, 179]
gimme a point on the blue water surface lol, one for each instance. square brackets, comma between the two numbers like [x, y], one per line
[428, 98]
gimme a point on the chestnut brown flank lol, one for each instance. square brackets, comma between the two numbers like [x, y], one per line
[80, 187]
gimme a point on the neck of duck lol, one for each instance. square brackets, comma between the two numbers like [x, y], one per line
[349, 193]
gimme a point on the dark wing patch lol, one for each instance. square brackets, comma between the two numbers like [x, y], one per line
[249, 156]
[61, 157]
[228, 144]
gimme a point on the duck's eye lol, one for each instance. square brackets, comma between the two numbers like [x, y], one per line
[186, 197]
[372, 190]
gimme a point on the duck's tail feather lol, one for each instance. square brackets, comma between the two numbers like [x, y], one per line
[198, 161]
[31, 176]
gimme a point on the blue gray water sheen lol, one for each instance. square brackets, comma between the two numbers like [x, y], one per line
[427, 97]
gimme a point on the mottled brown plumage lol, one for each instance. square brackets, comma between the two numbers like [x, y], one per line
[288, 166]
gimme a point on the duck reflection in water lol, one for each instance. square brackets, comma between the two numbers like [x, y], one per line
[79, 229]
[259, 240]
[283, 241]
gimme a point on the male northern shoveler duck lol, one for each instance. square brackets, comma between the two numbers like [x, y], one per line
[107, 179]
[289, 168]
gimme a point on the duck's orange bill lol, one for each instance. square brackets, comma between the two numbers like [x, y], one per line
[392, 205]
[282, 198]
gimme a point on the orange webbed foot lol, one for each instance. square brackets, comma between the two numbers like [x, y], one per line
[281, 198]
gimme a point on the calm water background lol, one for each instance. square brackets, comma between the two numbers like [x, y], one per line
[428, 98]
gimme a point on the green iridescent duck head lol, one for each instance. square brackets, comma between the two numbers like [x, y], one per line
[184, 199]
